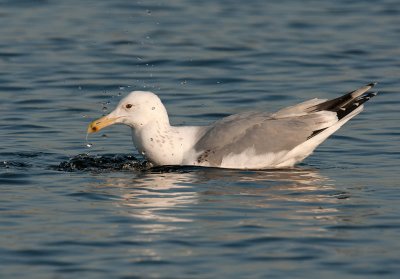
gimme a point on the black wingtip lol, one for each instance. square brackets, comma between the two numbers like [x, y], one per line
[355, 104]
[344, 105]
[367, 96]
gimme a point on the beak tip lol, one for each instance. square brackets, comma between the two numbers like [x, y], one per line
[92, 128]
[100, 123]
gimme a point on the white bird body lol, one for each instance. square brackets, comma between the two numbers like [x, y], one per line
[164, 144]
[251, 140]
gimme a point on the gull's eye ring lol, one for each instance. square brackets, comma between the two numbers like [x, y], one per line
[128, 106]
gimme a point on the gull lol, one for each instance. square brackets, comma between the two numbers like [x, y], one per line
[248, 140]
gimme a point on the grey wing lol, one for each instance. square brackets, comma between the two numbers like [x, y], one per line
[298, 109]
[237, 133]
[283, 130]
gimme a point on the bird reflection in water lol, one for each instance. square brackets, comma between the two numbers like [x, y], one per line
[162, 199]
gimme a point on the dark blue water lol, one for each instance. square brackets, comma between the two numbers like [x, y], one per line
[69, 211]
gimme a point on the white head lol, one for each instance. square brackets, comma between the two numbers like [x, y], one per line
[135, 110]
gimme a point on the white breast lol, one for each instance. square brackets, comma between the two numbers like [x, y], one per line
[164, 144]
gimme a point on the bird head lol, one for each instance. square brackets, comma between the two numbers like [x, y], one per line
[135, 110]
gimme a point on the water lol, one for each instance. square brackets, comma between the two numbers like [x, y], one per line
[68, 210]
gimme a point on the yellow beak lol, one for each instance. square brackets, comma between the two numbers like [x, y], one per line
[101, 123]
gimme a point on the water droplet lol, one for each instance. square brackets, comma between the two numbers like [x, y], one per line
[143, 153]
[148, 12]
[79, 87]
[88, 144]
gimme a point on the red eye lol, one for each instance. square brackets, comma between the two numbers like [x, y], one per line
[128, 106]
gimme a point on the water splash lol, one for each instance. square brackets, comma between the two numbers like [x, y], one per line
[109, 162]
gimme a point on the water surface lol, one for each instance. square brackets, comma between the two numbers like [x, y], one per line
[69, 211]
